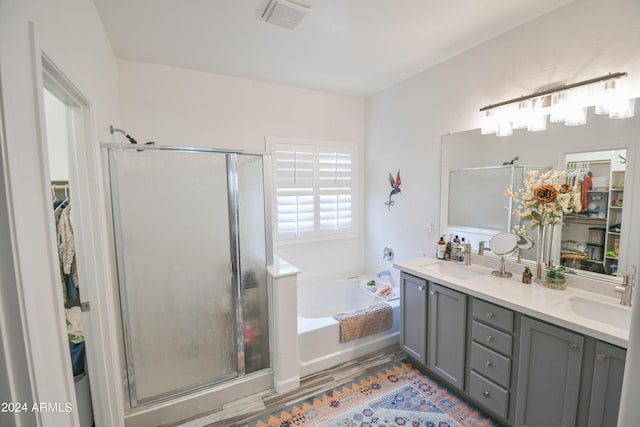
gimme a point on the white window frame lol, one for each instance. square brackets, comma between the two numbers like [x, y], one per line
[315, 147]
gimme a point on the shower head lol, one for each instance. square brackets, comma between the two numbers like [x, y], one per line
[126, 135]
[513, 161]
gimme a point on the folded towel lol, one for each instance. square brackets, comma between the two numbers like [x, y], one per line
[367, 321]
[75, 328]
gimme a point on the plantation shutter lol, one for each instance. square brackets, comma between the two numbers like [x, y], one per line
[314, 189]
[334, 188]
[293, 166]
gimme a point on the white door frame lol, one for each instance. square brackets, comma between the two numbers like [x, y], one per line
[43, 316]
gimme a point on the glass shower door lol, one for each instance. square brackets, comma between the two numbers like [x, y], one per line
[174, 252]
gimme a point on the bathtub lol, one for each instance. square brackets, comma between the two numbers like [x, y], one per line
[319, 345]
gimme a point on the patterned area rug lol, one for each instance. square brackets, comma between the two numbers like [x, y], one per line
[399, 395]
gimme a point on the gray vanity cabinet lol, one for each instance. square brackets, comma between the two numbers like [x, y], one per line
[447, 333]
[413, 312]
[492, 344]
[606, 387]
[548, 376]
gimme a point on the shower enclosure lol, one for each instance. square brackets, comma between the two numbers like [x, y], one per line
[192, 246]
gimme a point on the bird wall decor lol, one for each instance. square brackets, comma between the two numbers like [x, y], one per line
[395, 188]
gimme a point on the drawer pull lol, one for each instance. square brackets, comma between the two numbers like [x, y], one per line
[421, 288]
[488, 338]
[433, 292]
[487, 363]
[573, 347]
[489, 315]
[601, 357]
[485, 393]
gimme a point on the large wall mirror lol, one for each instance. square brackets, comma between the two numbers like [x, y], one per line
[596, 242]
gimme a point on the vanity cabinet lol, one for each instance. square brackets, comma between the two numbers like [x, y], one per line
[446, 333]
[413, 317]
[433, 327]
[606, 386]
[522, 371]
[549, 373]
[491, 364]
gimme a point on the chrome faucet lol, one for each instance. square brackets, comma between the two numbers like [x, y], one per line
[466, 254]
[626, 289]
[481, 247]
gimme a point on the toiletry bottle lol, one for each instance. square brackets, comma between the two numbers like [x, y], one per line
[462, 250]
[447, 253]
[441, 248]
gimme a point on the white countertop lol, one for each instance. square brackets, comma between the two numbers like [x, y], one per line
[598, 316]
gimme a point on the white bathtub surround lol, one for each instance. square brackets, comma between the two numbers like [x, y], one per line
[283, 286]
[574, 308]
[319, 333]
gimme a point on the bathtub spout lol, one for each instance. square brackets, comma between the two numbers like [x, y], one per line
[384, 273]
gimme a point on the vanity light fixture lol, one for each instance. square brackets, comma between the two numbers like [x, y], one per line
[565, 103]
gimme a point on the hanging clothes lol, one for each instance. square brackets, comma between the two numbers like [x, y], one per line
[67, 252]
[579, 176]
[586, 186]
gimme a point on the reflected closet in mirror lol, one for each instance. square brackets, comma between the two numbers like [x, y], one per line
[591, 239]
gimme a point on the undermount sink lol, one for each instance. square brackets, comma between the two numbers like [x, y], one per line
[614, 315]
[453, 270]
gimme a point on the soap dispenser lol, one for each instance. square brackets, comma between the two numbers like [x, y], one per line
[441, 248]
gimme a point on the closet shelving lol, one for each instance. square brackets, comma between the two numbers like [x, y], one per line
[598, 228]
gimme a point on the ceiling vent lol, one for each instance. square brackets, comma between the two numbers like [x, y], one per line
[285, 13]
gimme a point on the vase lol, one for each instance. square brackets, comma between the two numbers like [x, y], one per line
[558, 285]
[544, 257]
[540, 244]
[548, 243]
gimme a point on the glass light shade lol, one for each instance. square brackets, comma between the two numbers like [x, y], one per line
[521, 115]
[608, 98]
[575, 116]
[489, 124]
[537, 123]
[622, 109]
[538, 117]
[559, 106]
[504, 129]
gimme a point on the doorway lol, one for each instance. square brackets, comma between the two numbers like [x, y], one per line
[65, 130]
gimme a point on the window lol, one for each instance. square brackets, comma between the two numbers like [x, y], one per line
[314, 185]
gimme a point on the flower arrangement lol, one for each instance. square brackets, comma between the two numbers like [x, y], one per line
[544, 198]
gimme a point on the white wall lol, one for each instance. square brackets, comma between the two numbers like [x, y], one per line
[174, 106]
[71, 34]
[584, 39]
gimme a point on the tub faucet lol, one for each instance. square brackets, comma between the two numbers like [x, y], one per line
[626, 289]
[384, 273]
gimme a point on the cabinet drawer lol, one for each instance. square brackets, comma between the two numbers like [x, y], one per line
[493, 315]
[492, 338]
[490, 364]
[489, 394]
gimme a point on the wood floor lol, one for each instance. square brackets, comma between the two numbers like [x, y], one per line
[267, 402]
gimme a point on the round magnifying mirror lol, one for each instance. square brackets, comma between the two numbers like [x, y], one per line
[503, 244]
